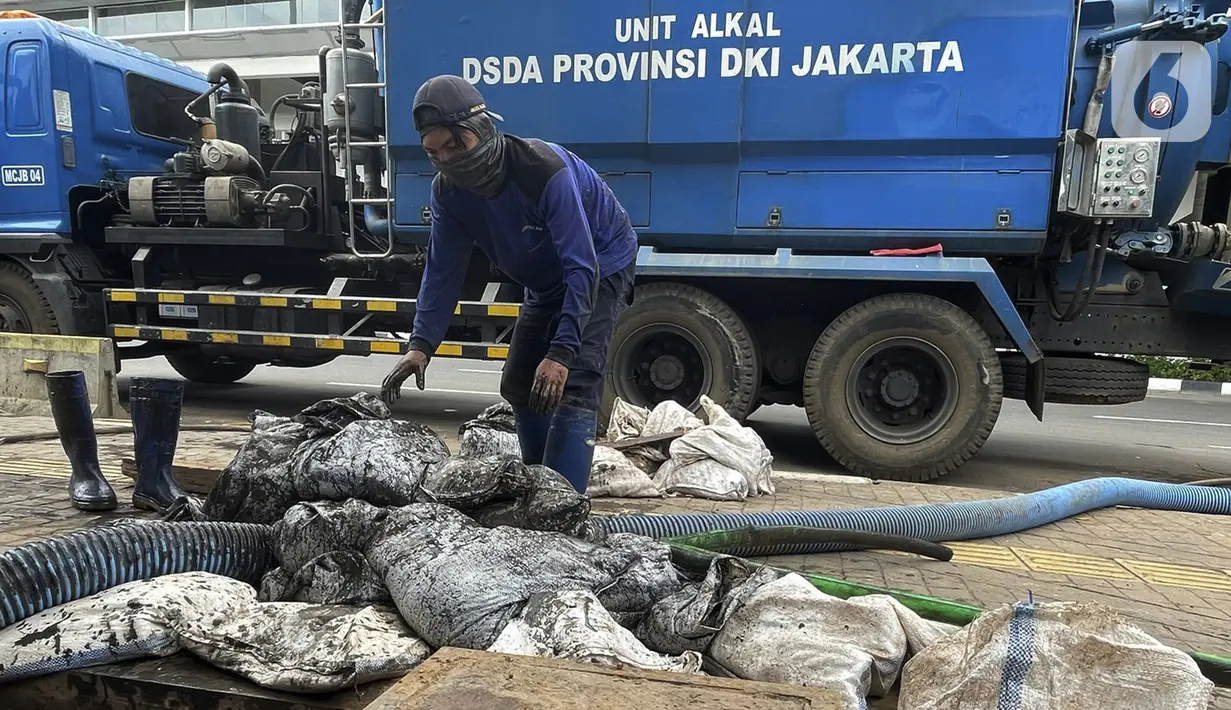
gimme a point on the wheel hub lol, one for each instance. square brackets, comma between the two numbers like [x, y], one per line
[660, 362]
[902, 390]
[667, 372]
[12, 318]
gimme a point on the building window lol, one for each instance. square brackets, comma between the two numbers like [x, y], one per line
[310, 11]
[140, 19]
[157, 108]
[219, 14]
[77, 18]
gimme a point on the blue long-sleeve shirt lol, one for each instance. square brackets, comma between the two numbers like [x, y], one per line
[556, 229]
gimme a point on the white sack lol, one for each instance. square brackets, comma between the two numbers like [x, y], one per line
[788, 631]
[613, 475]
[721, 460]
[628, 421]
[1048, 656]
[574, 626]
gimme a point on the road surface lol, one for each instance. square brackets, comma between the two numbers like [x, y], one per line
[1166, 438]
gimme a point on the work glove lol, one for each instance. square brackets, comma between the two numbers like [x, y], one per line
[413, 362]
[548, 387]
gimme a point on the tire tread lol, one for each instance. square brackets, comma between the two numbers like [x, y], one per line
[814, 378]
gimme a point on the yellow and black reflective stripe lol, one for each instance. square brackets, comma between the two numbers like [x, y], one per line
[338, 344]
[349, 304]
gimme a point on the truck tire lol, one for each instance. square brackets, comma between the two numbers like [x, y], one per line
[1089, 379]
[679, 342]
[904, 387]
[197, 367]
[23, 307]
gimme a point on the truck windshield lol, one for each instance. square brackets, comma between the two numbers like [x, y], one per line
[157, 108]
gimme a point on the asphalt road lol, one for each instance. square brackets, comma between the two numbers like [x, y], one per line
[1166, 438]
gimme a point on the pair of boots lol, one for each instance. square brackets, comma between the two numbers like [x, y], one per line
[155, 405]
[562, 441]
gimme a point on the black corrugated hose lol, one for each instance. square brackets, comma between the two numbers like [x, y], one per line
[46, 573]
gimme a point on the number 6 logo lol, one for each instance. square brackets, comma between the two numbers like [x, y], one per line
[1192, 73]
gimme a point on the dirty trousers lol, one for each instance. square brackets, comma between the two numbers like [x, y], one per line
[533, 333]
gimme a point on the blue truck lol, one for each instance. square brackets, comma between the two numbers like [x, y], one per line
[894, 217]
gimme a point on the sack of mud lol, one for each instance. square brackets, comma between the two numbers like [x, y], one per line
[788, 631]
[722, 460]
[628, 421]
[458, 583]
[613, 475]
[333, 450]
[501, 490]
[492, 433]
[302, 648]
[1052, 655]
[688, 619]
[574, 626]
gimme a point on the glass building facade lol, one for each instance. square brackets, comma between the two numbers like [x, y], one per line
[188, 15]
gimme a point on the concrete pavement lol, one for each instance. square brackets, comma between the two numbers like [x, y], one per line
[1168, 437]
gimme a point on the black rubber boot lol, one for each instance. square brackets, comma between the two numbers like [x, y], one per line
[155, 404]
[70, 407]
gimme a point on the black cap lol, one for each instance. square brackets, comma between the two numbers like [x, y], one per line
[451, 99]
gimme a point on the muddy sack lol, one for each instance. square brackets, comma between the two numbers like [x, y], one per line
[300, 648]
[574, 626]
[788, 631]
[1053, 655]
[458, 583]
[629, 421]
[501, 490]
[614, 475]
[722, 460]
[333, 450]
[320, 552]
[492, 433]
[688, 619]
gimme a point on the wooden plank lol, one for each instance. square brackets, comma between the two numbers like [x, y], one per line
[644, 440]
[460, 679]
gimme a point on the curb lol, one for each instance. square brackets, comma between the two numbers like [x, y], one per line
[1159, 384]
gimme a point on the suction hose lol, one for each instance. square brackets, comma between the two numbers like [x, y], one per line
[46, 573]
[941, 522]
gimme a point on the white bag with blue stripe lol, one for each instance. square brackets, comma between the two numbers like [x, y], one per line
[1052, 655]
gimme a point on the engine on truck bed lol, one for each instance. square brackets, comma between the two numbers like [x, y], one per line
[219, 180]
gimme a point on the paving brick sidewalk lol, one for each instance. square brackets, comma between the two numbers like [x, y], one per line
[1169, 572]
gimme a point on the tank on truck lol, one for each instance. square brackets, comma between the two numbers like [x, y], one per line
[1012, 255]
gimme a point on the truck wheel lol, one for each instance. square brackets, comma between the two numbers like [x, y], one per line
[23, 307]
[1080, 380]
[905, 387]
[678, 342]
[196, 367]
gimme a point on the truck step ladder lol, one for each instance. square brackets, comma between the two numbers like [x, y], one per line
[375, 22]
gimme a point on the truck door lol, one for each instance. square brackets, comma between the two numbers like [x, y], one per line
[29, 200]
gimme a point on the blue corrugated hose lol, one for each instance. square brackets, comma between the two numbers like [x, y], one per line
[46, 573]
[942, 522]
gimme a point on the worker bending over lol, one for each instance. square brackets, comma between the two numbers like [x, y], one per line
[549, 222]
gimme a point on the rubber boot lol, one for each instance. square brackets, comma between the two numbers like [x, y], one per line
[155, 404]
[532, 431]
[570, 444]
[70, 407]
